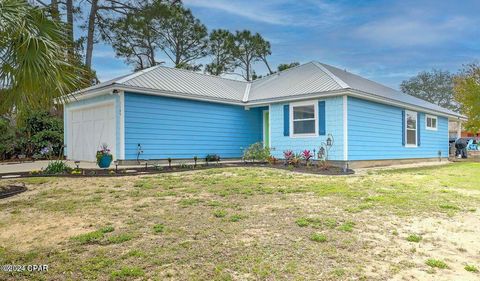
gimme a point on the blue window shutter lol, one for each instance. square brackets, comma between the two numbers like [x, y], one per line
[403, 127]
[321, 118]
[418, 128]
[286, 120]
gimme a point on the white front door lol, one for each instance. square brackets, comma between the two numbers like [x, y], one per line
[88, 129]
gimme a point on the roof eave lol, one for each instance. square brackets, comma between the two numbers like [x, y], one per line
[369, 96]
[108, 89]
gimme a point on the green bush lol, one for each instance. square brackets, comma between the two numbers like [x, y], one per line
[41, 130]
[7, 139]
[257, 152]
[57, 167]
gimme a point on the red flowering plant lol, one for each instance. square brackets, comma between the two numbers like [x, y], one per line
[288, 155]
[306, 155]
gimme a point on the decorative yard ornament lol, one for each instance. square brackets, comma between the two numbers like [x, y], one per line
[325, 147]
[321, 153]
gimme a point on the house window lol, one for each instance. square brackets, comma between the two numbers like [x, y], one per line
[431, 122]
[411, 128]
[304, 119]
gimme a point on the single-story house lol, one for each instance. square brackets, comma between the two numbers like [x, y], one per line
[162, 112]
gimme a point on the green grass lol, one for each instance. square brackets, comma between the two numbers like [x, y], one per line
[220, 213]
[236, 217]
[318, 237]
[471, 268]
[127, 272]
[120, 238]
[414, 238]
[158, 228]
[436, 263]
[347, 226]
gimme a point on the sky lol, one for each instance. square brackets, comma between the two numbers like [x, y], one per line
[385, 41]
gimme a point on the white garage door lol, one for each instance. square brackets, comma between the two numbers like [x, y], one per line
[88, 129]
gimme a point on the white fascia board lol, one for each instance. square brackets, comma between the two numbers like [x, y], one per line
[368, 96]
[109, 90]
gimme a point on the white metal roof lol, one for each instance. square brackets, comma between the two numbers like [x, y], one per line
[312, 78]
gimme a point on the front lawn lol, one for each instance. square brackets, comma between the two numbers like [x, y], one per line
[248, 224]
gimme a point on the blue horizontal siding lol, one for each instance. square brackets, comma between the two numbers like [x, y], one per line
[375, 133]
[334, 125]
[179, 128]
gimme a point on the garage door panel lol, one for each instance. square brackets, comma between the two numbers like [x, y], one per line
[90, 127]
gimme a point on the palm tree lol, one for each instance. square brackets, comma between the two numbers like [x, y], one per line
[34, 69]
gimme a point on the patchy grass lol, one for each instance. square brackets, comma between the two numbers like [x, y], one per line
[158, 228]
[127, 272]
[318, 237]
[244, 224]
[414, 238]
[220, 213]
[120, 238]
[471, 268]
[347, 226]
[436, 263]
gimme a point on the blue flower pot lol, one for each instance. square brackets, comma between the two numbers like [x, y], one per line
[105, 161]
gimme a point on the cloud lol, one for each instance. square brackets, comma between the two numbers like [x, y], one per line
[279, 12]
[407, 31]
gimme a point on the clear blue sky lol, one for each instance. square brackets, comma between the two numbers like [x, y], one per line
[386, 41]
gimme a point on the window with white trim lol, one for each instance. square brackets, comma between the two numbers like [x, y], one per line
[431, 122]
[410, 128]
[304, 119]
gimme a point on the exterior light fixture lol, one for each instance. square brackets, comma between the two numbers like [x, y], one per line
[116, 165]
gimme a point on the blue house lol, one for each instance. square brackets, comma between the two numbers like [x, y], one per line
[161, 112]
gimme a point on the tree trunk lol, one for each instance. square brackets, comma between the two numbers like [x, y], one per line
[268, 66]
[71, 47]
[91, 33]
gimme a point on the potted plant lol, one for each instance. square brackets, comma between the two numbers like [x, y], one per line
[104, 157]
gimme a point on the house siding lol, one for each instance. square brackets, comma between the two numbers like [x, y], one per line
[334, 126]
[181, 129]
[92, 102]
[375, 133]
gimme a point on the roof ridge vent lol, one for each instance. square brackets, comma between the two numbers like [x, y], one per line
[247, 92]
[136, 74]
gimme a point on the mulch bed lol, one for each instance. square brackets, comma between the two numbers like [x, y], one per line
[313, 169]
[10, 190]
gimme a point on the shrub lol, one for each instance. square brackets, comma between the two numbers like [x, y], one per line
[7, 139]
[272, 160]
[256, 151]
[57, 167]
[41, 130]
[212, 158]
